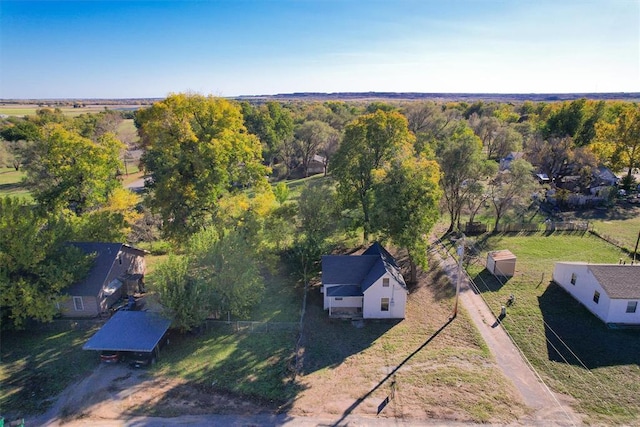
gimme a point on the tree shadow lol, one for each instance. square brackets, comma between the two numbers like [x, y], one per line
[391, 374]
[575, 336]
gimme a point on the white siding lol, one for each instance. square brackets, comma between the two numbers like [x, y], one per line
[373, 296]
[618, 312]
[607, 310]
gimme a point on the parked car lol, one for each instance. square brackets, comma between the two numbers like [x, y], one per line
[141, 359]
[109, 356]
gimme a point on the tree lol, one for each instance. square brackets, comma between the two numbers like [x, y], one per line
[428, 122]
[218, 275]
[551, 155]
[20, 135]
[510, 188]
[370, 141]
[197, 150]
[272, 124]
[317, 219]
[310, 137]
[566, 121]
[183, 297]
[619, 141]
[461, 163]
[35, 263]
[406, 208]
[67, 171]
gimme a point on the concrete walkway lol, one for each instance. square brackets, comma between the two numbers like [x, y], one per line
[549, 410]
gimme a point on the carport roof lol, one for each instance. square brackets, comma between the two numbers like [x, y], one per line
[129, 331]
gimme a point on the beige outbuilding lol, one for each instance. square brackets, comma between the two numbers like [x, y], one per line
[501, 263]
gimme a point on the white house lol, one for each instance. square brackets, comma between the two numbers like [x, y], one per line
[610, 291]
[368, 285]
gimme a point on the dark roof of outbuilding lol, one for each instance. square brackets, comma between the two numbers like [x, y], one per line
[361, 270]
[618, 281]
[129, 331]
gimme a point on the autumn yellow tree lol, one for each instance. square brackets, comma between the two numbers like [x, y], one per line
[618, 141]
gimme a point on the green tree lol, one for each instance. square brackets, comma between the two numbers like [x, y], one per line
[67, 171]
[35, 263]
[370, 142]
[406, 208]
[511, 188]
[182, 296]
[197, 150]
[272, 124]
[217, 276]
[461, 162]
[317, 219]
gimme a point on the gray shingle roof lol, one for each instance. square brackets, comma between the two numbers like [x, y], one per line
[619, 281]
[129, 331]
[345, 291]
[105, 256]
[361, 270]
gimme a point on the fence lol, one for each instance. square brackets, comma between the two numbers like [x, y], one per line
[549, 226]
[251, 327]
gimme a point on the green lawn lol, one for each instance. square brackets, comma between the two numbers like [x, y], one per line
[11, 183]
[599, 367]
[37, 364]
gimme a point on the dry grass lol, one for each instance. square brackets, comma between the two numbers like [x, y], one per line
[438, 369]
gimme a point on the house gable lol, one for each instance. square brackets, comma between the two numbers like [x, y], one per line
[370, 282]
[606, 290]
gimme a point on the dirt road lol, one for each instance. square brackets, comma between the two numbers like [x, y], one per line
[550, 409]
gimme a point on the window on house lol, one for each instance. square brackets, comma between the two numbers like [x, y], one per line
[384, 304]
[77, 303]
[632, 306]
[385, 282]
[573, 278]
[596, 297]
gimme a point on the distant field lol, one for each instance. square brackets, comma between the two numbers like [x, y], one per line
[20, 110]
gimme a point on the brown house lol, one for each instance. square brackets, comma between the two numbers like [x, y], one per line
[117, 271]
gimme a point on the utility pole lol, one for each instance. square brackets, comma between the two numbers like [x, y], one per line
[635, 251]
[460, 252]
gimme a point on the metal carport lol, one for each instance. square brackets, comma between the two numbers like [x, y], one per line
[138, 331]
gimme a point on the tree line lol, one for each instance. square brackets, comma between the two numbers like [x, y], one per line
[216, 184]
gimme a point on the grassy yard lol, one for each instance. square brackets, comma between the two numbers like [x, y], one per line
[37, 364]
[11, 183]
[620, 223]
[439, 369]
[574, 351]
[253, 365]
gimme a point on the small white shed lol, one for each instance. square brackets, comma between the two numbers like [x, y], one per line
[501, 263]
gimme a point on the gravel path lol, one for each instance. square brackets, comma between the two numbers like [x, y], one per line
[549, 408]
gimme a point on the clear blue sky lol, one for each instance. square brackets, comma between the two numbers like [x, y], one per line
[121, 49]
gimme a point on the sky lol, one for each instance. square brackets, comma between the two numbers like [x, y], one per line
[149, 49]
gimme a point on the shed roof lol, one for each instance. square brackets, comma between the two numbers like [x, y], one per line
[618, 281]
[129, 331]
[504, 254]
